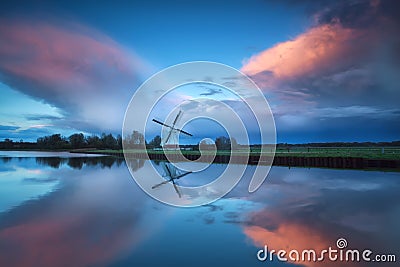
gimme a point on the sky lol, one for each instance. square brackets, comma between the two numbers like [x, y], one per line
[329, 69]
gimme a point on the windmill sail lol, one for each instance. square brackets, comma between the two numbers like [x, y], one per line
[171, 132]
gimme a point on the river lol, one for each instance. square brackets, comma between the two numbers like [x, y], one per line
[59, 209]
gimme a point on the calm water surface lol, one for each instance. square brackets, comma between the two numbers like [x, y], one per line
[69, 210]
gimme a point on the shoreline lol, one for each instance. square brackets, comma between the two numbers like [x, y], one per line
[280, 159]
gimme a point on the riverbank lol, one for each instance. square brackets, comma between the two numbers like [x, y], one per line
[387, 158]
[303, 159]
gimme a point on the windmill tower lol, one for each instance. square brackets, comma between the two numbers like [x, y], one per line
[170, 139]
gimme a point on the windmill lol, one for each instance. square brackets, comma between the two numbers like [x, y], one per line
[172, 174]
[170, 140]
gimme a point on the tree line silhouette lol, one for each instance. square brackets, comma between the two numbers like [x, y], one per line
[80, 141]
[74, 141]
[104, 141]
[136, 139]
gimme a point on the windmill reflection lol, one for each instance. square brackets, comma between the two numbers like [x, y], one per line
[171, 174]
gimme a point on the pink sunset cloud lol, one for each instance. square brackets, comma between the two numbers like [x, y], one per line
[333, 44]
[53, 54]
[314, 51]
[70, 66]
[337, 62]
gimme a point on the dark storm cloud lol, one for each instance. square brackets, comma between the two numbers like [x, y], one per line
[39, 117]
[211, 91]
[8, 128]
[359, 14]
[25, 134]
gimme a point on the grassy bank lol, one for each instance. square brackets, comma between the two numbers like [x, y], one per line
[390, 153]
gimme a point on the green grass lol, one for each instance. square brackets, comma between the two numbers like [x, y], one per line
[392, 153]
[352, 152]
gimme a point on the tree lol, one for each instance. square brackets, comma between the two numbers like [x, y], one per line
[108, 141]
[55, 141]
[119, 142]
[77, 140]
[8, 143]
[155, 142]
[93, 141]
[223, 143]
[135, 140]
